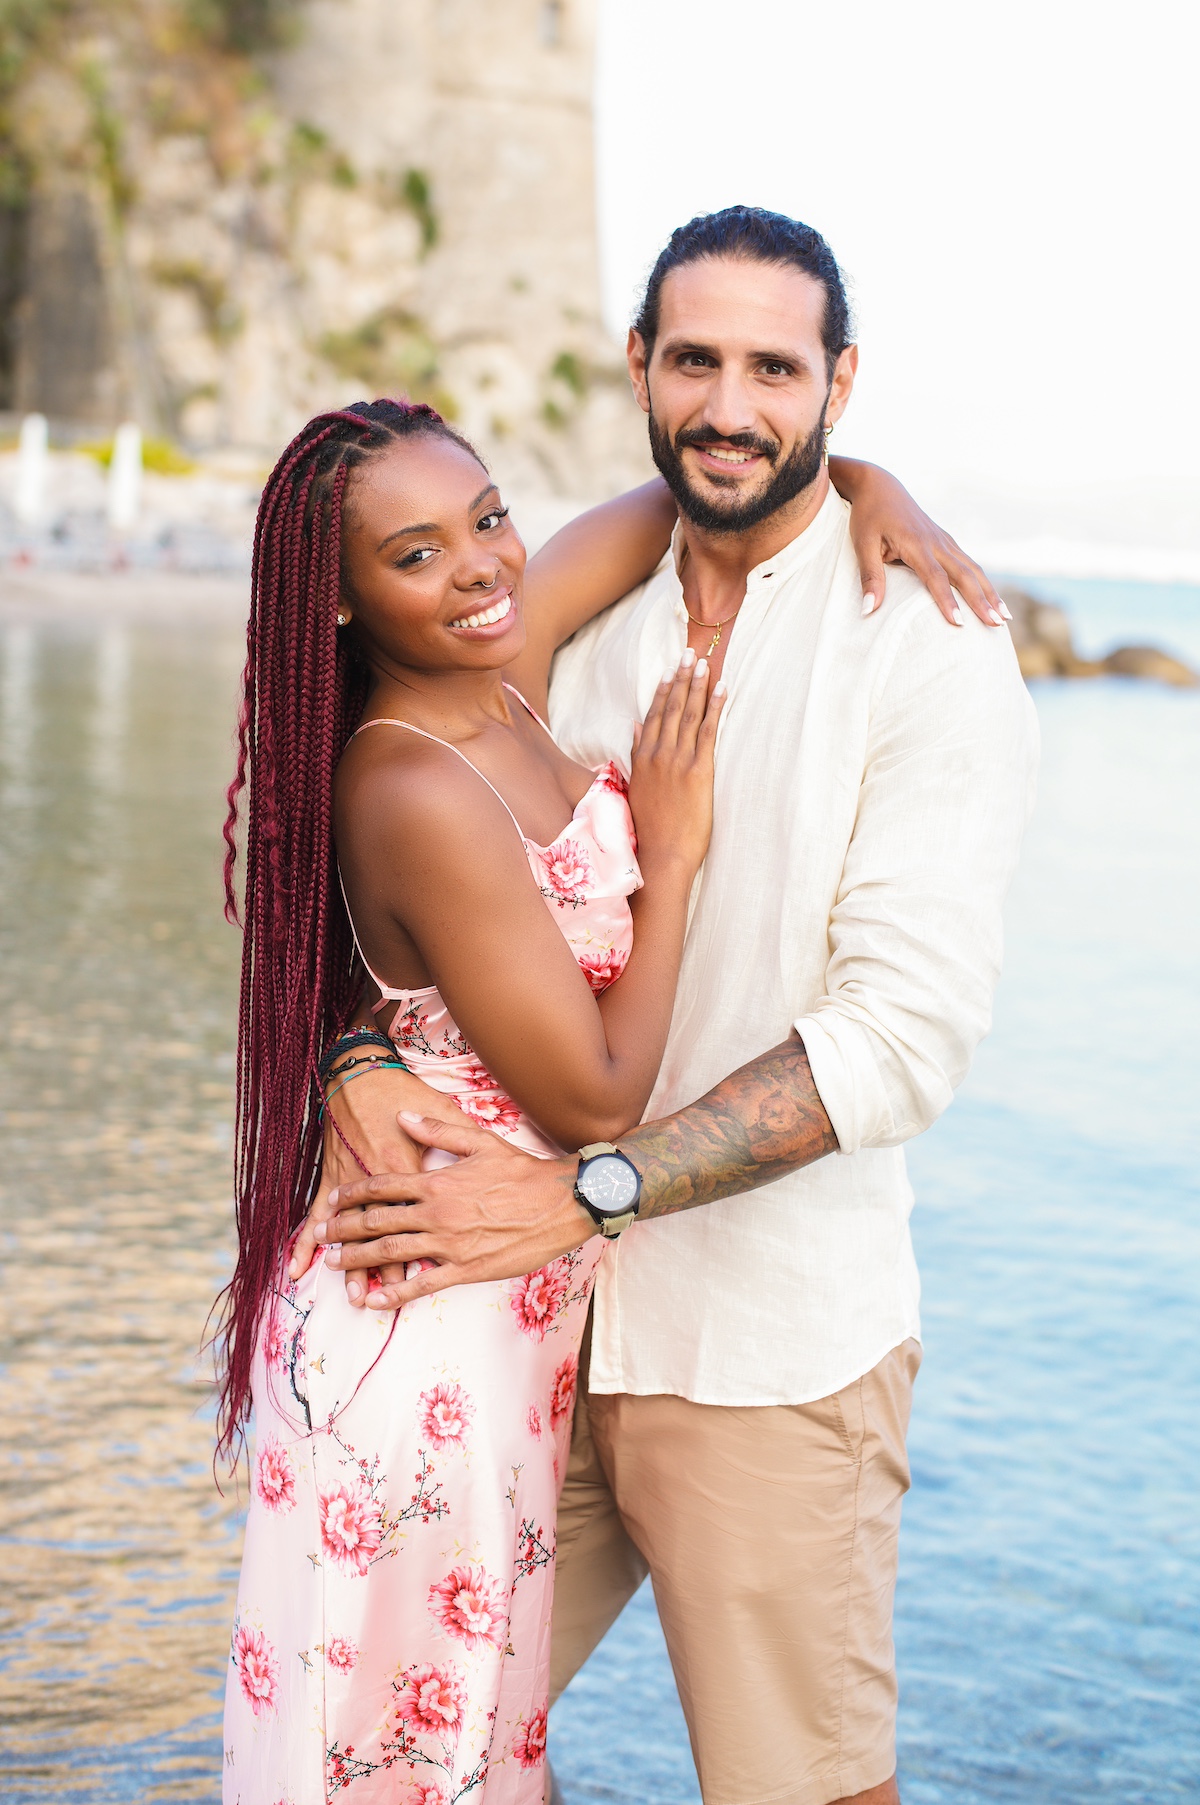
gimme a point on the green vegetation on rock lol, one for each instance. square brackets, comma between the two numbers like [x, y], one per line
[417, 196]
[391, 353]
[247, 26]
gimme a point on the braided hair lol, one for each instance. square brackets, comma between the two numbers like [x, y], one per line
[303, 691]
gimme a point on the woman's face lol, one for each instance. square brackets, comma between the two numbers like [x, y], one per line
[427, 550]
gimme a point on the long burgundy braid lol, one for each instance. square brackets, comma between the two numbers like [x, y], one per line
[303, 691]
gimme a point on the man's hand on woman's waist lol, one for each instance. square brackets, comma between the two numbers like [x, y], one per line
[498, 1212]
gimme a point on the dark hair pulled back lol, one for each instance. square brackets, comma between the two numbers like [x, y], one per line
[753, 235]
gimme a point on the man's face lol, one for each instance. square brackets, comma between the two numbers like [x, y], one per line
[736, 389]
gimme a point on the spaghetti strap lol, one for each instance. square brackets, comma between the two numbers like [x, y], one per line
[527, 706]
[385, 721]
[386, 992]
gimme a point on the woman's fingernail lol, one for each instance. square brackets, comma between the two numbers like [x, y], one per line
[319, 1231]
[293, 1269]
[701, 669]
[333, 1195]
[689, 658]
[869, 604]
[410, 1115]
[1005, 611]
[719, 688]
[333, 1256]
[958, 617]
[353, 1291]
[997, 620]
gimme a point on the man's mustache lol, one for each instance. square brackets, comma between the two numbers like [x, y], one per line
[741, 441]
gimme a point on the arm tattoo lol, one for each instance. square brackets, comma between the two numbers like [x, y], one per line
[761, 1122]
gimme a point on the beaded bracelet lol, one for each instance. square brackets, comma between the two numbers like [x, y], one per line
[370, 1065]
[392, 1058]
[347, 1042]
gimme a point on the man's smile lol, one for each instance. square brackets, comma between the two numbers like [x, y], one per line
[725, 458]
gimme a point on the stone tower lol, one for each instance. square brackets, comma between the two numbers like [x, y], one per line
[409, 205]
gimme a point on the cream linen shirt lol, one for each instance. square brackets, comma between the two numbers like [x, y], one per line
[873, 780]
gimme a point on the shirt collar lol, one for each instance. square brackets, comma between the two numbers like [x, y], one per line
[786, 561]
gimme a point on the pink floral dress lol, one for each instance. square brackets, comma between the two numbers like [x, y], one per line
[392, 1634]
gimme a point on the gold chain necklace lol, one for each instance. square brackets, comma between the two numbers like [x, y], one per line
[716, 638]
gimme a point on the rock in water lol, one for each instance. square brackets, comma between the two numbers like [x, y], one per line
[1041, 635]
[1148, 661]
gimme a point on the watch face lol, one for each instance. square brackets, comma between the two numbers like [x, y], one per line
[609, 1184]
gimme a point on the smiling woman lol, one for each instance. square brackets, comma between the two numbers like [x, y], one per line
[490, 879]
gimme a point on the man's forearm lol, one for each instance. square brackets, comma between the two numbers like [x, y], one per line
[761, 1122]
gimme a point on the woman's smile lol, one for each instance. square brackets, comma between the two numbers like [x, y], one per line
[490, 622]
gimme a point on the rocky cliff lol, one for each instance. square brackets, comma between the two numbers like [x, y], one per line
[217, 216]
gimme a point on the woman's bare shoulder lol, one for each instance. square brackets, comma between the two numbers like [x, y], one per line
[397, 792]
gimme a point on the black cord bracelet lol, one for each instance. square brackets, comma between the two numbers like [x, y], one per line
[352, 1040]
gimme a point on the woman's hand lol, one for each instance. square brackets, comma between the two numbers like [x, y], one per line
[887, 527]
[365, 1111]
[671, 784]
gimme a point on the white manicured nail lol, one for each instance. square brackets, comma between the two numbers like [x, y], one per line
[1005, 611]
[997, 620]
[701, 669]
[958, 617]
[689, 658]
[869, 604]
[719, 688]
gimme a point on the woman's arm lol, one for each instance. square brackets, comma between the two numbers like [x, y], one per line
[887, 527]
[591, 562]
[601, 555]
[419, 829]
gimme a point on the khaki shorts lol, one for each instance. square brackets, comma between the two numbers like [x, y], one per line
[770, 1535]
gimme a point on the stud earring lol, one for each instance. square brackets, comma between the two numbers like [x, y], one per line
[342, 618]
[828, 430]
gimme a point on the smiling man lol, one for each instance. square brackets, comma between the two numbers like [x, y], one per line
[741, 1434]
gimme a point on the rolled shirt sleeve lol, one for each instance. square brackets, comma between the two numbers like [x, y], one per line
[915, 934]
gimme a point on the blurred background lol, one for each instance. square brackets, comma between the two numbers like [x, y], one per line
[219, 215]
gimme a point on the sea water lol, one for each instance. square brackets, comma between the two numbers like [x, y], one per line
[1049, 1589]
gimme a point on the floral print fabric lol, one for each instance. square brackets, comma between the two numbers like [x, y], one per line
[392, 1634]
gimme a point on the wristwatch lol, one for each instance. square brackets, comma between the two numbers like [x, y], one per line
[609, 1186]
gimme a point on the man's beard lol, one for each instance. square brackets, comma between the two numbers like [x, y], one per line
[798, 471]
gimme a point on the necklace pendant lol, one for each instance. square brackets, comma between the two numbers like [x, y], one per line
[715, 640]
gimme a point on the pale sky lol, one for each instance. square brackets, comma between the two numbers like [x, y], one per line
[1012, 190]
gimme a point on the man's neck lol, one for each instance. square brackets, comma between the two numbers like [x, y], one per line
[716, 565]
